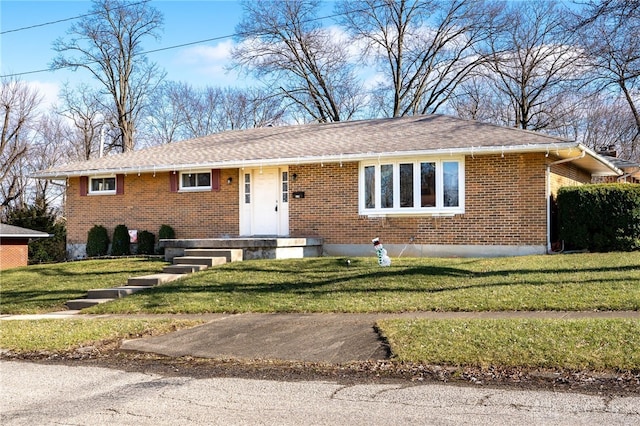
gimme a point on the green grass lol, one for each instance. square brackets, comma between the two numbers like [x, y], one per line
[45, 288]
[593, 344]
[64, 335]
[575, 282]
[566, 282]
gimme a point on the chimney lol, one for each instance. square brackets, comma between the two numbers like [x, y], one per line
[608, 151]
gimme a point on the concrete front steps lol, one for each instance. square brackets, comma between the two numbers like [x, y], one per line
[194, 260]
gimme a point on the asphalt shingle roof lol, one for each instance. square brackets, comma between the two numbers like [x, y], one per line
[11, 231]
[351, 140]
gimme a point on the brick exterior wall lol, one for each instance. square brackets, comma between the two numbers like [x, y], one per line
[505, 204]
[567, 174]
[14, 252]
[148, 203]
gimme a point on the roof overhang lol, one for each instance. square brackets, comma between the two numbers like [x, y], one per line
[588, 159]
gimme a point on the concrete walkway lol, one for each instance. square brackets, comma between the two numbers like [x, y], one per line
[331, 338]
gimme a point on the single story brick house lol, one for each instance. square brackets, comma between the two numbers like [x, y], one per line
[14, 245]
[429, 185]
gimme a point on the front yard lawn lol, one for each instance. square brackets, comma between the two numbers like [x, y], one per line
[575, 282]
[45, 288]
[577, 344]
[590, 282]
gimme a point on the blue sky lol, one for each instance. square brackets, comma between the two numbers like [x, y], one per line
[184, 22]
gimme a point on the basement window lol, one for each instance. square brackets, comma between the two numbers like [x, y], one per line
[415, 186]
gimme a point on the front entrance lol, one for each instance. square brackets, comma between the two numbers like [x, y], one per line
[265, 198]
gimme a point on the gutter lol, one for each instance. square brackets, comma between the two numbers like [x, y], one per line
[548, 179]
[333, 158]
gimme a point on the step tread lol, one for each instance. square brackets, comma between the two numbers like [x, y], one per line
[199, 260]
[85, 303]
[184, 268]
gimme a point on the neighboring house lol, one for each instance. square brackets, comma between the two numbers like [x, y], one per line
[14, 245]
[630, 169]
[425, 185]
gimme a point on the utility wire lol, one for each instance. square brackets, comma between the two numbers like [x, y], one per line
[44, 24]
[162, 49]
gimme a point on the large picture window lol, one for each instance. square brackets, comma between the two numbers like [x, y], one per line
[416, 186]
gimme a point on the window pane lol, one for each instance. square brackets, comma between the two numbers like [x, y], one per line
[428, 184]
[110, 184]
[386, 186]
[204, 179]
[247, 188]
[370, 187]
[450, 172]
[188, 180]
[96, 184]
[406, 185]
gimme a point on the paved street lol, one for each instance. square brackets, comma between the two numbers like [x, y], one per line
[66, 395]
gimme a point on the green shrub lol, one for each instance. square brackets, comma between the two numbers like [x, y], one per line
[166, 233]
[121, 245]
[603, 217]
[146, 243]
[97, 241]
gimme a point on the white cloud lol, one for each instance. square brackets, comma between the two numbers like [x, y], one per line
[47, 91]
[205, 65]
[206, 55]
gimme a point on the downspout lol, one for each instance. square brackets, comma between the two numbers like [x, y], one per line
[548, 179]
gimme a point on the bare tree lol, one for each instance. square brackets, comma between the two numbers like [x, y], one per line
[477, 99]
[248, 108]
[19, 104]
[164, 120]
[283, 44]
[609, 33]
[423, 48]
[179, 111]
[108, 43]
[534, 60]
[51, 145]
[84, 109]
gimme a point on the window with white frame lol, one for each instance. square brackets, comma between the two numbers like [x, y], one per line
[412, 186]
[247, 188]
[195, 181]
[102, 185]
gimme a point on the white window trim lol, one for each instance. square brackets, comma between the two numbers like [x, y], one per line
[438, 210]
[90, 190]
[182, 188]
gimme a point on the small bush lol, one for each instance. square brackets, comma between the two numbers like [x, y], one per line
[146, 243]
[97, 241]
[121, 245]
[166, 233]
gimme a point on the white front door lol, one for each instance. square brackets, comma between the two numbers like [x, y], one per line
[264, 197]
[266, 202]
